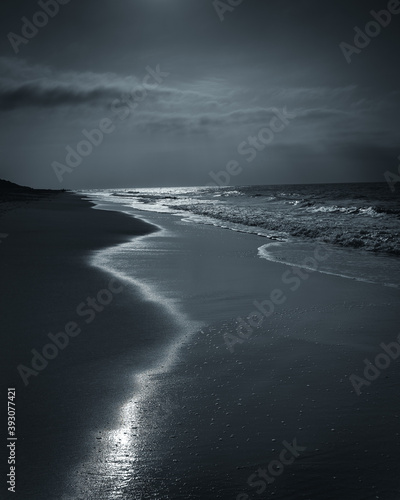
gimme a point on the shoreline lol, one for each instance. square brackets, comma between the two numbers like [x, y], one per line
[332, 331]
[362, 231]
[47, 251]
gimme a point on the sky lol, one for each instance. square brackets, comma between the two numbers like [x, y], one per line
[137, 93]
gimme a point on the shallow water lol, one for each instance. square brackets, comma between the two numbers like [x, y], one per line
[360, 223]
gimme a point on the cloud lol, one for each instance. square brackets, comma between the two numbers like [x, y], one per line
[41, 87]
[39, 95]
[209, 107]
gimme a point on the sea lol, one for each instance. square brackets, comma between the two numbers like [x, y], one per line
[358, 223]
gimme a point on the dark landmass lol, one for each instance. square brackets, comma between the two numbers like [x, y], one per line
[15, 196]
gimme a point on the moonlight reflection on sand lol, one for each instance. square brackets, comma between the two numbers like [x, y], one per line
[117, 465]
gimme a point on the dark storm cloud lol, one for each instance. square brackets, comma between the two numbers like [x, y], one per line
[22, 85]
[41, 96]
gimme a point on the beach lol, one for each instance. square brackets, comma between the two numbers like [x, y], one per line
[175, 389]
[199, 250]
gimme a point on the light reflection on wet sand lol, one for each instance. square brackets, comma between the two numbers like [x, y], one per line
[117, 461]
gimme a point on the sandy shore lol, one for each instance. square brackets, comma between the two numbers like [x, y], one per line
[46, 277]
[144, 402]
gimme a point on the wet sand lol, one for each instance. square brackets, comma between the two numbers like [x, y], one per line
[46, 276]
[214, 418]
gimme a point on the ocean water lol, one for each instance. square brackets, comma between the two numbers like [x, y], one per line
[358, 223]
